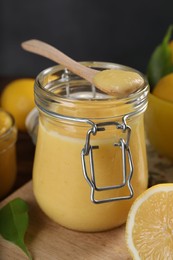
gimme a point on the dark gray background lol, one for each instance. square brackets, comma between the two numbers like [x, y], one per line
[124, 32]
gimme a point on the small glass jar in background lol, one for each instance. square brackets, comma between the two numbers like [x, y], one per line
[8, 165]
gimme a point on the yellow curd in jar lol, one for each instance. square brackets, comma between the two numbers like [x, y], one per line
[7, 153]
[58, 182]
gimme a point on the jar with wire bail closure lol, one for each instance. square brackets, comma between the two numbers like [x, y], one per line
[90, 161]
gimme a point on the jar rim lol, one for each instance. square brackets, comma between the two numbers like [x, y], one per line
[95, 65]
[47, 100]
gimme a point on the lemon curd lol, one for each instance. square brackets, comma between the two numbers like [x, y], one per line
[63, 181]
[8, 135]
[119, 83]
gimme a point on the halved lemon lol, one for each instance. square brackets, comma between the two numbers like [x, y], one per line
[149, 227]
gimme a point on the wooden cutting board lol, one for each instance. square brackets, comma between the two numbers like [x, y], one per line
[47, 240]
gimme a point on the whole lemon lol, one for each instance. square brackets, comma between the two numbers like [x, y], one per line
[164, 88]
[18, 99]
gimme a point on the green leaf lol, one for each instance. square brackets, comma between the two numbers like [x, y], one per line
[14, 223]
[160, 63]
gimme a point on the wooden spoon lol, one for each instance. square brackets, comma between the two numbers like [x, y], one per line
[50, 52]
[119, 83]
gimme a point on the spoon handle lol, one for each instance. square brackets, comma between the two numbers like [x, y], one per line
[50, 52]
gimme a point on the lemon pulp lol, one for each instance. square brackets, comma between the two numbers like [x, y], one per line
[149, 226]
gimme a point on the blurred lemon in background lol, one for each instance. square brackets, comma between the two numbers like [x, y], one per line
[159, 116]
[159, 125]
[18, 99]
[164, 88]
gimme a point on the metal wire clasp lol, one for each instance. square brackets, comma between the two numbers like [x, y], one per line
[127, 172]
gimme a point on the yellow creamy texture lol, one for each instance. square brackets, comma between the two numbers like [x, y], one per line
[58, 182]
[119, 83]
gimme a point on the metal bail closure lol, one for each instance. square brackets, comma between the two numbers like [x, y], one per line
[127, 172]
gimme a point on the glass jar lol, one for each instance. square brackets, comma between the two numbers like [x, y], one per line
[8, 136]
[90, 161]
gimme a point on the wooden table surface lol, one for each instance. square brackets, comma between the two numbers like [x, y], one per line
[47, 240]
